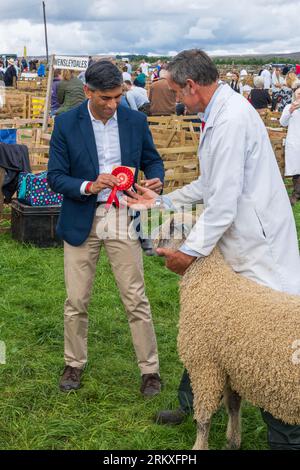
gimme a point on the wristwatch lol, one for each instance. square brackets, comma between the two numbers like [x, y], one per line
[158, 203]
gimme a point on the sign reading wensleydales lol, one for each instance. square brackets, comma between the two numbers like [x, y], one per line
[71, 63]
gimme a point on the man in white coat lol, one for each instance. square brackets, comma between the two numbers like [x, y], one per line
[246, 207]
[266, 75]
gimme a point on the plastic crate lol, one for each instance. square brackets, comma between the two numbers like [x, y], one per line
[35, 225]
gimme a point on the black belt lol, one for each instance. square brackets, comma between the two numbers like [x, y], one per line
[100, 203]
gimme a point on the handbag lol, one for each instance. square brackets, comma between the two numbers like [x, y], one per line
[34, 190]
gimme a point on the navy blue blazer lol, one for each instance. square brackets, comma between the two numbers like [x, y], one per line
[74, 159]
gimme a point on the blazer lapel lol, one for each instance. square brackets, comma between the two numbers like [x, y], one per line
[87, 131]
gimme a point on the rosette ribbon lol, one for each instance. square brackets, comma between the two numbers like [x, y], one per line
[126, 179]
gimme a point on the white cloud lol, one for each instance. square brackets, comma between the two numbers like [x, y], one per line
[141, 26]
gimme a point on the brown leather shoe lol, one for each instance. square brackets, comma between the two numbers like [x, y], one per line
[151, 385]
[70, 379]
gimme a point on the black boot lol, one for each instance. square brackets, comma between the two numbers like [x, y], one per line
[170, 417]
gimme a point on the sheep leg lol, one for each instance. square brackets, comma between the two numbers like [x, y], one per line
[203, 428]
[208, 383]
[233, 405]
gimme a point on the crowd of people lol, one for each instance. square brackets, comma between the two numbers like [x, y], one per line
[12, 69]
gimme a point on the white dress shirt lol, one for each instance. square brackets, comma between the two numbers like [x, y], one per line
[108, 148]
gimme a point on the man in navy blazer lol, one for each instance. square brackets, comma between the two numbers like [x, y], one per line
[86, 144]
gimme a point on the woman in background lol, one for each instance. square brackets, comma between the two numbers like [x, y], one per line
[291, 118]
[69, 92]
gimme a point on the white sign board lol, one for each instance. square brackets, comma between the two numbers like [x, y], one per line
[28, 75]
[70, 63]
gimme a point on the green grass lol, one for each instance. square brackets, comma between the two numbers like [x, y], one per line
[108, 412]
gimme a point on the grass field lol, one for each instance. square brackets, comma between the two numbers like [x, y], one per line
[108, 412]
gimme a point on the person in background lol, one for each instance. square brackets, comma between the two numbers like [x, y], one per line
[2, 71]
[41, 70]
[285, 70]
[54, 100]
[81, 76]
[144, 66]
[91, 61]
[24, 64]
[235, 82]
[129, 67]
[69, 92]
[266, 75]
[259, 97]
[159, 66]
[32, 65]
[10, 75]
[284, 96]
[291, 118]
[162, 98]
[140, 79]
[277, 84]
[154, 75]
[125, 74]
[247, 85]
[137, 97]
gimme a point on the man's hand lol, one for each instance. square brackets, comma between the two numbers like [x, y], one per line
[154, 184]
[104, 181]
[142, 200]
[176, 261]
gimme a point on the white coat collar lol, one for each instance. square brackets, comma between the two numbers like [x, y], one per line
[222, 97]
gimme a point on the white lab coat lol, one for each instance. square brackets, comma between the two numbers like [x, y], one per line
[246, 206]
[292, 144]
[266, 75]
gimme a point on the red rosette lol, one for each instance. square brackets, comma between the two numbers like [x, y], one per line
[126, 179]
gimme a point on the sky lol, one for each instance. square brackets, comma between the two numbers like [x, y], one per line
[162, 27]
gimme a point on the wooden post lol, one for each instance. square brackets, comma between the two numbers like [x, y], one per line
[48, 95]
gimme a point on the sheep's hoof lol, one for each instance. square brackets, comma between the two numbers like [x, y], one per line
[232, 446]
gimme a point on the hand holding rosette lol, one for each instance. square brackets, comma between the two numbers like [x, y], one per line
[126, 180]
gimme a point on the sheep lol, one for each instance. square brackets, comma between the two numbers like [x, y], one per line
[236, 338]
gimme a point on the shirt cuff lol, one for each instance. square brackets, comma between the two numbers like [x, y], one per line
[187, 251]
[168, 204]
[82, 189]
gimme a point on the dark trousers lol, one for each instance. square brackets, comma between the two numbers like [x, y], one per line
[281, 436]
[296, 184]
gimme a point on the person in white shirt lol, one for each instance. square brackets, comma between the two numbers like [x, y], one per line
[145, 67]
[291, 118]
[266, 75]
[125, 74]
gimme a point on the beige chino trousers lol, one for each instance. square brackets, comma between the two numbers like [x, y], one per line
[113, 231]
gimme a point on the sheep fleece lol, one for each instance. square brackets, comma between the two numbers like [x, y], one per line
[231, 327]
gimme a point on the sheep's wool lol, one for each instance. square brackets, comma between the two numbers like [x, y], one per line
[234, 329]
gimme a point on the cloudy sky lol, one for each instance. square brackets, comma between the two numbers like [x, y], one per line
[150, 26]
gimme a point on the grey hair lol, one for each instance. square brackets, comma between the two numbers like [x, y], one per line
[195, 65]
[296, 86]
[258, 82]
